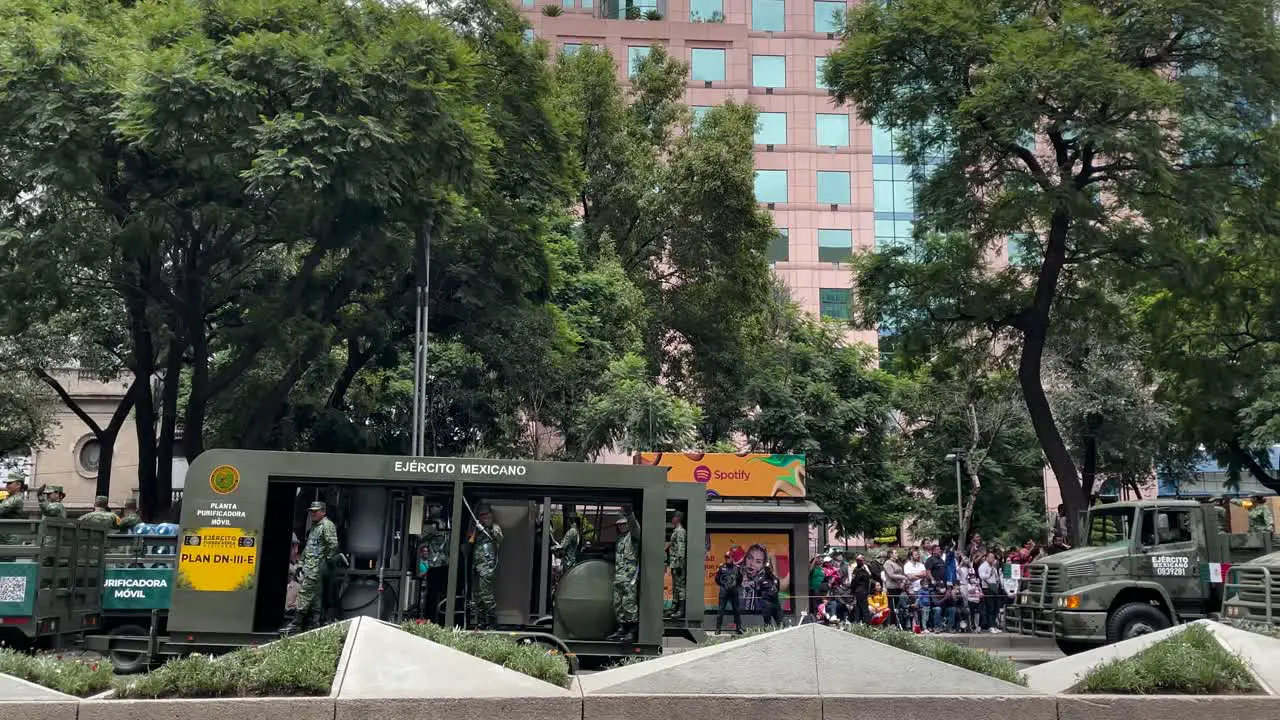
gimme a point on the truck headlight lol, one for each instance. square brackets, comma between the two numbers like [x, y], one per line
[1067, 602]
[1233, 611]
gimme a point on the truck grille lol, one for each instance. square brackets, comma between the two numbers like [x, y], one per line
[1252, 586]
[1044, 581]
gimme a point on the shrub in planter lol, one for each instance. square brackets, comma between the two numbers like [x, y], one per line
[302, 666]
[77, 677]
[972, 659]
[552, 10]
[653, 15]
[1192, 662]
[532, 660]
[633, 13]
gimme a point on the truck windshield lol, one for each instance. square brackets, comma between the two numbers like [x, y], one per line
[1109, 526]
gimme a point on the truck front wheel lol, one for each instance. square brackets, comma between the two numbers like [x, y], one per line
[1073, 647]
[1135, 619]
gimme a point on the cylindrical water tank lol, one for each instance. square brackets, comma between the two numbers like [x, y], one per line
[584, 601]
[366, 526]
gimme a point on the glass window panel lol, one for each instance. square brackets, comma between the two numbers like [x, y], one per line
[771, 186]
[834, 303]
[699, 111]
[881, 141]
[780, 246]
[588, 4]
[528, 35]
[768, 71]
[833, 129]
[835, 245]
[882, 195]
[820, 67]
[572, 48]
[771, 128]
[828, 16]
[706, 10]
[707, 64]
[833, 187]
[768, 15]
[634, 56]
[904, 197]
[567, 3]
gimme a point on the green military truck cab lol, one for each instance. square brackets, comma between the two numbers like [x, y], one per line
[1143, 566]
[1253, 592]
[51, 574]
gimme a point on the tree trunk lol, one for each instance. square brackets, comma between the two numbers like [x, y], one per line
[107, 440]
[1035, 333]
[197, 398]
[1089, 465]
[975, 482]
[168, 422]
[150, 505]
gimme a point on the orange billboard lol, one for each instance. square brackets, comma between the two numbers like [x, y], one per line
[756, 475]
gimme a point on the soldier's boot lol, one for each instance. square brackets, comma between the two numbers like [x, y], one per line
[618, 634]
[628, 633]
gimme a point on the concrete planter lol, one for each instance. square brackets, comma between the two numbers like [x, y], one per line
[932, 707]
[669, 706]
[1167, 707]
[47, 710]
[320, 708]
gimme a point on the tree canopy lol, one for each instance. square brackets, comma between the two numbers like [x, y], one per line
[1100, 140]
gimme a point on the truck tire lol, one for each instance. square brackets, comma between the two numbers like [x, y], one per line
[1073, 647]
[1135, 619]
[128, 663]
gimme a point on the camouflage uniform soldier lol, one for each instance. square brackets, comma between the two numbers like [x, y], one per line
[626, 578]
[1260, 519]
[101, 517]
[51, 502]
[677, 553]
[317, 558]
[11, 508]
[486, 540]
[433, 563]
[129, 519]
[571, 544]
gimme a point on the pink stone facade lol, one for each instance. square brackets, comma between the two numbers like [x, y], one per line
[801, 215]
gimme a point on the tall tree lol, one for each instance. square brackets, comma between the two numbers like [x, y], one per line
[1095, 131]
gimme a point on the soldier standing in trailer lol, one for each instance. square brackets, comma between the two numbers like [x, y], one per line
[486, 539]
[51, 498]
[677, 552]
[626, 579]
[101, 517]
[571, 544]
[11, 507]
[317, 562]
[433, 562]
[129, 518]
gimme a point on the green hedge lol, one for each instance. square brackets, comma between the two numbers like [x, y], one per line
[978, 661]
[81, 678]
[303, 665]
[1189, 663]
[532, 660]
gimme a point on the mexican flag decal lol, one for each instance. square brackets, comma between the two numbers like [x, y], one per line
[1215, 573]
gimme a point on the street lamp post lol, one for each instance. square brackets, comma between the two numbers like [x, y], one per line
[957, 456]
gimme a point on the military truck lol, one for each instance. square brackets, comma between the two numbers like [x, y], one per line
[1143, 566]
[51, 574]
[136, 590]
[1252, 592]
[241, 508]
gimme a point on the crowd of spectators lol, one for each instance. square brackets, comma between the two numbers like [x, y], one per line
[927, 589]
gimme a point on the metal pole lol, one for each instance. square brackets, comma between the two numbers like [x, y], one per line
[417, 372]
[959, 508]
[424, 288]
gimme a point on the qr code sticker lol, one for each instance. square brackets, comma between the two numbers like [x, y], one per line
[13, 589]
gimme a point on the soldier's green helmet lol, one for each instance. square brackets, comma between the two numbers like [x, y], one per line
[317, 506]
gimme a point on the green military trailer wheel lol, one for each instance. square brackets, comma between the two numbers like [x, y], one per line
[1135, 619]
[126, 662]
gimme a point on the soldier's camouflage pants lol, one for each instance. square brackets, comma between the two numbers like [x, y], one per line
[677, 590]
[486, 602]
[309, 607]
[625, 606]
